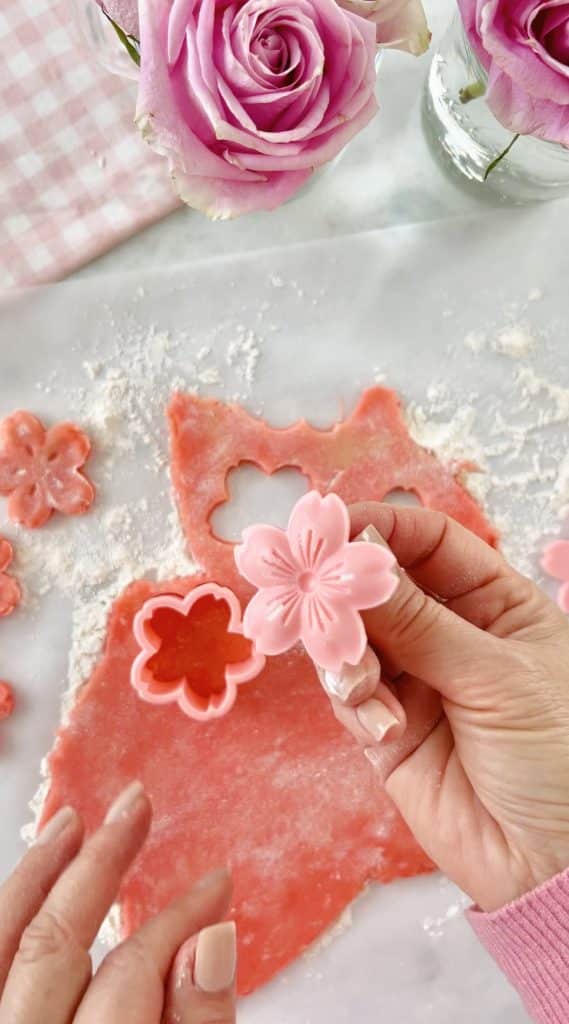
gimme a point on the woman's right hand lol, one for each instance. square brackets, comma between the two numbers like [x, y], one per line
[478, 658]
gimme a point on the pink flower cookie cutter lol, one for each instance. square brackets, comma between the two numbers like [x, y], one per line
[193, 651]
[10, 591]
[555, 562]
[312, 582]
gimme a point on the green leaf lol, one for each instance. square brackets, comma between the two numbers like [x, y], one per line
[471, 92]
[500, 157]
[130, 44]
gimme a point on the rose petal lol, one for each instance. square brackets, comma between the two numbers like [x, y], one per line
[400, 24]
[221, 199]
[318, 528]
[469, 12]
[521, 113]
[320, 150]
[548, 30]
[124, 12]
[178, 22]
[272, 619]
[332, 635]
[264, 558]
[363, 573]
[168, 117]
[506, 40]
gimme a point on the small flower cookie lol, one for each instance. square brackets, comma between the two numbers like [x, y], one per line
[40, 470]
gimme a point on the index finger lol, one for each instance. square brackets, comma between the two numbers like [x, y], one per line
[442, 556]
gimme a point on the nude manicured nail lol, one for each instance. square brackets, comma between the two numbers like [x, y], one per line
[216, 957]
[353, 682]
[55, 826]
[124, 803]
[373, 756]
[376, 719]
[371, 536]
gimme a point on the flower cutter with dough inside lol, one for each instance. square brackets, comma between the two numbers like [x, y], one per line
[193, 652]
[312, 582]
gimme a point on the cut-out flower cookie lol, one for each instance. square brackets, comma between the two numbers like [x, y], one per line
[10, 593]
[40, 469]
[312, 583]
[193, 652]
[555, 562]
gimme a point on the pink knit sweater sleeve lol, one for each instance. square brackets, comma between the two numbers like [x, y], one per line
[529, 940]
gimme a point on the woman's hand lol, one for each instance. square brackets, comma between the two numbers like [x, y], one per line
[476, 661]
[179, 967]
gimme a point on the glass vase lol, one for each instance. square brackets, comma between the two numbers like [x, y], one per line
[471, 138]
[101, 39]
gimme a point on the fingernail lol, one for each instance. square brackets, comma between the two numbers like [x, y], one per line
[373, 756]
[353, 682]
[375, 718]
[211, 879]
[216, 957]
[125, 801]
[372, 536]
[55, 826]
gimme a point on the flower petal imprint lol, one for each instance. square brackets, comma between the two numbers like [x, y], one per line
[312, 582]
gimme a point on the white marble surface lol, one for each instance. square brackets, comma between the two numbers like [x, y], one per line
[328, 316]
[409, 956]
[387, 176]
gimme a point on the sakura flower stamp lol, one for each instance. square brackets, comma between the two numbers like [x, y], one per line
[555, 562]
[10, 593]
[40, 470]
[193, 652]
[312, 582]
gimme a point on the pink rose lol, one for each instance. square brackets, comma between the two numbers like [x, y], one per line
[124, 13]
[246, 99]
[524, 47]
[400, 24]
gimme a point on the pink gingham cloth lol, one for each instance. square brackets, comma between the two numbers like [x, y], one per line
[75, 177]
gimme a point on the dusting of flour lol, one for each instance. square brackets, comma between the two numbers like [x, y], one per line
[506, 440]
[120, 401]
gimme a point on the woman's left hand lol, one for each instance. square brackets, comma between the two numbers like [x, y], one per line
[178, 967]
